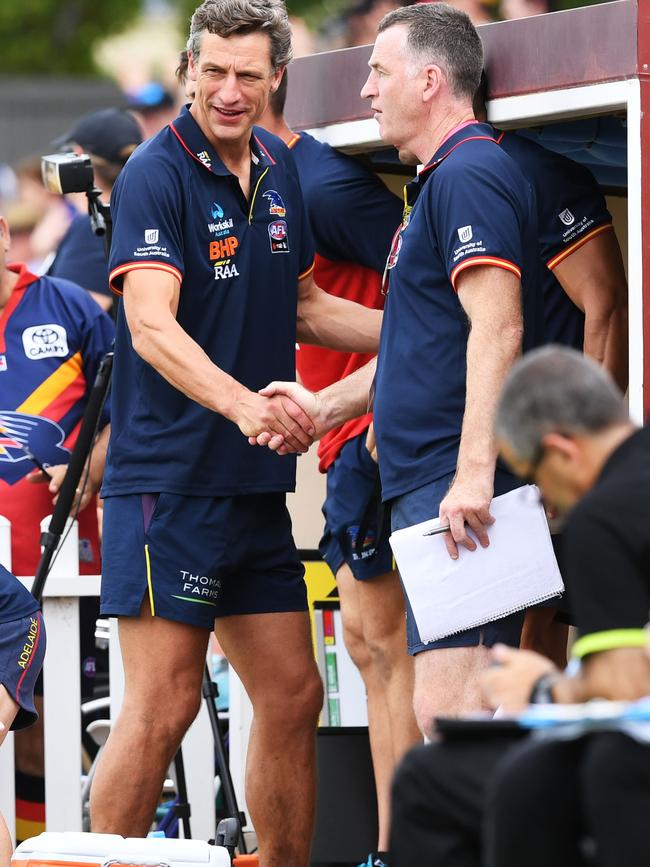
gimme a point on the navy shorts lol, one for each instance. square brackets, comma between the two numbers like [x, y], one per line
[353, 498]
[22, 648]
[421, 505]
[197, 558]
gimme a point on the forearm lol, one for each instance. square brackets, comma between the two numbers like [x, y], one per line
[490, 355]
[617, 348]
[326, 320]
[347, 398]
[98, 458]
[180, 360]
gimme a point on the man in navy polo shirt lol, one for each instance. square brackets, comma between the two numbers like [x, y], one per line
[213, 255]
[462, 302]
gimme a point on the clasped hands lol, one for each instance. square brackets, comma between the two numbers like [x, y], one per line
[284, 416]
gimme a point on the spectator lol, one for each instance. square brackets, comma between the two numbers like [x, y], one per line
[109, 136]
[563, 424]
[54, 337]
[353, 218]
[153, 106]
[22, 648]
[469, 235]
[363, 17]
[523, 8]
[214, 256]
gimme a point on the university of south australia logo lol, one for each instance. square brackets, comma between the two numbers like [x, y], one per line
[567, 217]
[465, 234]
[151, 236]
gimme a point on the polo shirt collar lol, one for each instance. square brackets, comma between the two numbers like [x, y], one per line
[465, 132]
[25, 276]
[193, 140]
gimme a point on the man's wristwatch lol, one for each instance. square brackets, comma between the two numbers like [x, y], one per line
[542, 693]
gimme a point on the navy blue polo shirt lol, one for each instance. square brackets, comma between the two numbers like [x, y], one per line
[470, 206]
[571, 210]
[15, 601]
[353, 216]
[81, 257]
[177, 208]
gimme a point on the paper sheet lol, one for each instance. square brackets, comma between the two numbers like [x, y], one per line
[517, 570]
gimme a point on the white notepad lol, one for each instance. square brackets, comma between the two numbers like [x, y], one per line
[517, 570]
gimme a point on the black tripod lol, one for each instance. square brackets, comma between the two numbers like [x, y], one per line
[50, 540]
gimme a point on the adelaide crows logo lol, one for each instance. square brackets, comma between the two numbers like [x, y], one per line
[22, 436]
[276, 205]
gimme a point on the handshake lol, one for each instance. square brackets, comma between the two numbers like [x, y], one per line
[284, 416]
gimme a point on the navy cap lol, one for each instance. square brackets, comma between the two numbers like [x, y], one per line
[110, 133]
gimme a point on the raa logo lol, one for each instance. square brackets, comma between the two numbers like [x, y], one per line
[276, 205]
[205, 158]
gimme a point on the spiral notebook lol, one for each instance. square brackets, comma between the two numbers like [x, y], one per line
[517, 570]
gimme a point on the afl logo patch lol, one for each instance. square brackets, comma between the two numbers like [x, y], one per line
[45, 341]
[278, 236]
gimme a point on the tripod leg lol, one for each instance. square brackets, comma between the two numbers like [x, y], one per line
[182, 809]
[210, 693]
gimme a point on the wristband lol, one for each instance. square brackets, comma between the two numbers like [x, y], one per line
[542, 691]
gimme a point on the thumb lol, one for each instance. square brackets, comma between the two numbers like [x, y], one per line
[270, 389]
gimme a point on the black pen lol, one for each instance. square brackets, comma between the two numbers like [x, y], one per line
[32, 457]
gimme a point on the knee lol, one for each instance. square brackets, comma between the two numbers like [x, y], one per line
[294, 701]
[166, 716]
[356, 646]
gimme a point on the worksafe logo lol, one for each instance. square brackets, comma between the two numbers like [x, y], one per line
[567, 217]
[465, 234]
[217, 211]
[151, 236]
[276, 205]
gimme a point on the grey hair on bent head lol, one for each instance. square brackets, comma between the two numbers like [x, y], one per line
[228, 17]
[556, 390]
[440, 34]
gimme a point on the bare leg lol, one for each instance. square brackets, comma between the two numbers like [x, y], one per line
[273, 656]
[447, 683]
[5, 844]
[8, 711]
[373, 614]
[163, 666]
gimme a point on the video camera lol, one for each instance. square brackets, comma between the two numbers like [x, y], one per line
[73, 173]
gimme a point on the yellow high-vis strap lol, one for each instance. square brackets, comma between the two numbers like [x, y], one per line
[610, 639]
[149, 584]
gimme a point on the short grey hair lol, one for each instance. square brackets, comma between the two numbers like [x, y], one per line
[440, 34]
[556, 390]
[228, 17]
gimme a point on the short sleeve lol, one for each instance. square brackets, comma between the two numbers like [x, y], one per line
[96, 342]
[307, 255]
[609, 592]
[478, 217]
[572, 211]
[353, 215]
[147, 211]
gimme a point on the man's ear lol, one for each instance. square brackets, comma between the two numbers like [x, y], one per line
[433, 78]
[5, 237]
[277, 78]
[192, 67]
[563, 444]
